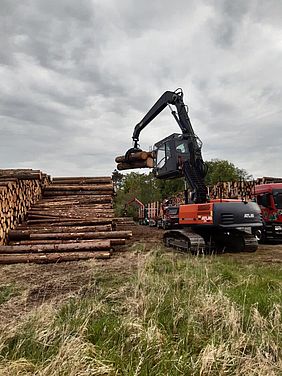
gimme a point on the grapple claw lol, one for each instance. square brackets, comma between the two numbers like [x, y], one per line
[130, 151]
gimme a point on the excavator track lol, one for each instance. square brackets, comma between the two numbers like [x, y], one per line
[239, 241]
[251, 243]
[217, 242]
[185, 241]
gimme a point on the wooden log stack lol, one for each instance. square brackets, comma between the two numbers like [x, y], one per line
[122, 223]
[72, 221]
[19, 189]
[240, 189]
[139, 159]
[268, 179]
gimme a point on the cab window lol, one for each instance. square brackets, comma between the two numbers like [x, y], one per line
[181, 148]
[264, 200]
[278, 200]
[161, 156]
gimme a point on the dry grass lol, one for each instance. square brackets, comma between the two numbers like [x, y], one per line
[176, 315]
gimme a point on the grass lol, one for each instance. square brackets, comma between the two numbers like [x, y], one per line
[175, 315]
[7, 292]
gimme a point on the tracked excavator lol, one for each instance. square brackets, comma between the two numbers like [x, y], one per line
[206, 225]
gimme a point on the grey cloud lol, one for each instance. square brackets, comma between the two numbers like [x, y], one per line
[75, 78]
[229, 17]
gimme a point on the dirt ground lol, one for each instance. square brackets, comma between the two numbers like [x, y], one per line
[35, 284]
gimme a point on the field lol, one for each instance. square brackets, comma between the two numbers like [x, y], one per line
[146, 311]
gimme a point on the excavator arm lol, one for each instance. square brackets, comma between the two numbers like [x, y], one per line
[189, 164]
[168, 98]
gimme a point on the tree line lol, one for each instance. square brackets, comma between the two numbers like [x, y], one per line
[147, 188]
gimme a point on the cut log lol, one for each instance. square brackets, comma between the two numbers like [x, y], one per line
[149, 163]
[24, 174]
[137, 156]
[24, 233]
[62, 241]
[58, 193]
[86, 188]
[71, 222]
[82, 180]
[52, 258]
[95, 245]
[76, 199]
[82, 235]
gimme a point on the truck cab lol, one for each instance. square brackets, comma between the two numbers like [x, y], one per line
[169, 217]
[269, 199]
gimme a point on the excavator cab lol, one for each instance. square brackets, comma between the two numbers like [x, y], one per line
[171, 153]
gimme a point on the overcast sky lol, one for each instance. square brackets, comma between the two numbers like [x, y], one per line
[76, 76]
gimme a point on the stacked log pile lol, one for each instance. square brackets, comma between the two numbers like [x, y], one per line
[139, 159]
[72, 221]
[19, 189]
[268, 179]
[122, 223]
[234, 190]
[241, 189]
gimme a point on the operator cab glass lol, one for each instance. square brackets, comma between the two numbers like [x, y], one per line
[171, 152]
[277, 195]
[264, 200]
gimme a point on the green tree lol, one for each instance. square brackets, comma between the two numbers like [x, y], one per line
[223, 170]
[142, 186]
[147, 188]
[117, 178]
[169, 188]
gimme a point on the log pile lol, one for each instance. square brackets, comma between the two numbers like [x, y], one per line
[72, 221]
[19, 189]
[123, 223]
[234, 190]
[268, 179]
[241, 189]
[139, 159]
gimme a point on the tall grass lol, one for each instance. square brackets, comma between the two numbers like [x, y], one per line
[7, 292]
[176, 315]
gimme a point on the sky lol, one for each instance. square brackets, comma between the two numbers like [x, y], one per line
[77, 76]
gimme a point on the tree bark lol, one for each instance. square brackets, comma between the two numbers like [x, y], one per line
[52, 258]
[95, 245]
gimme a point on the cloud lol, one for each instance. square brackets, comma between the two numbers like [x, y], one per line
[75, 78]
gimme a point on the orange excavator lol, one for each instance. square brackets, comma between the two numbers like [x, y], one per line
[206, 225]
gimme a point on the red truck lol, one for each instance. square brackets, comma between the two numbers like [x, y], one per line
[169, 217]
[269, 199]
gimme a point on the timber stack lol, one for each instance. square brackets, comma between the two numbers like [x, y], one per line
[19, 189]
[72, 221]
[122, 223]
[138, 159]
[240, 189]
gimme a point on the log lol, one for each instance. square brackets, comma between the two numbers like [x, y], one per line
[71, 206]
[82, 180]
[71, 211]
[95, 245]
[58, 193]
[24, 233]
[67, 188]
[24, 174]
[70, 222]
[77, 199]
[82, 235]
[77, 217]
[148, 163]
[52, 258]
[117, 242]
[62, 241]
[137, 156]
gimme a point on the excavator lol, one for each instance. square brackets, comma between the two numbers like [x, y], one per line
[218, 225]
